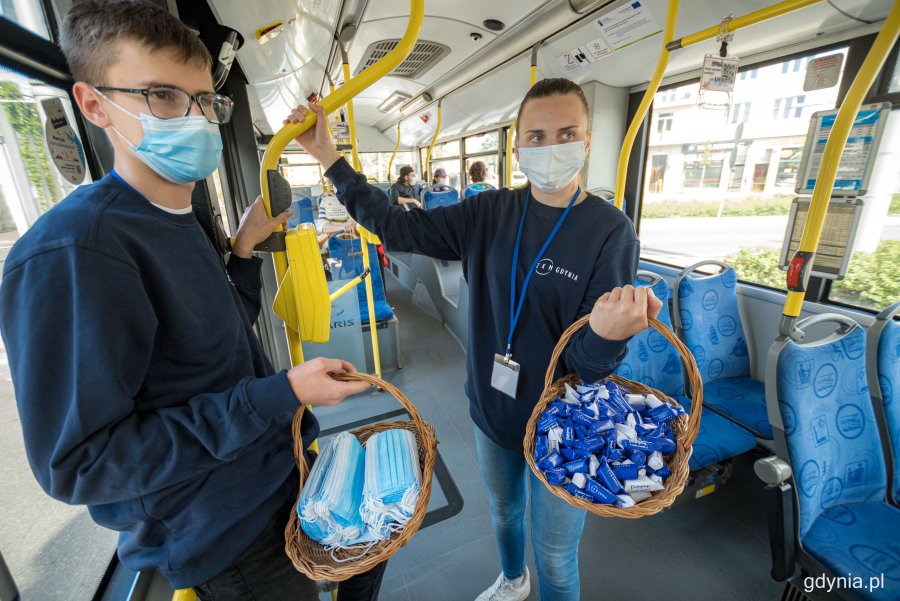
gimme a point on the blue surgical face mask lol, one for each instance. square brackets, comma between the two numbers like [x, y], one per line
[552, 168]
[182, 150]
[392, 481]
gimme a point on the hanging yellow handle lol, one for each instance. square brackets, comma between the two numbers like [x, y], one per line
[437, 131]
[638, 120]
[831, 156]
[393, 156]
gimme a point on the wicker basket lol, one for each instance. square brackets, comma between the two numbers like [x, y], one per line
[685, 428]
[309, 556]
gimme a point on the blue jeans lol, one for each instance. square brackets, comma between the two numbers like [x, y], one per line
[556, 526]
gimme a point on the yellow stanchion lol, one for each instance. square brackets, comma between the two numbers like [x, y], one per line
[510, 133]
[437, 131]
[631, 134]
[367, 237]
[186, 594]
[393, 156]
[330, 103]
[801, 263]
[351, 119]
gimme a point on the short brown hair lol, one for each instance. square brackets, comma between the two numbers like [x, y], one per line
[553, 87]
[477, 172]
[92, 29]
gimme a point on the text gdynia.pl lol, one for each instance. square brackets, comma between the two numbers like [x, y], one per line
[833, 583]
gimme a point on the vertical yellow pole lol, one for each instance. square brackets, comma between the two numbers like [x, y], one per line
[437, 131]
[631, 134]
[510, 133]
[331, 91]
[186, 594]
[834, 147]
[352, 122]
[366, 237]
[396, 148]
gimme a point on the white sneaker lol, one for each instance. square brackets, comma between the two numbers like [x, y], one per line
[505, 590]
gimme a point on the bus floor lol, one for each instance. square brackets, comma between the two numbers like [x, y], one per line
[712, 548]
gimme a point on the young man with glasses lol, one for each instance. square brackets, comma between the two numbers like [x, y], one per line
[143, 391]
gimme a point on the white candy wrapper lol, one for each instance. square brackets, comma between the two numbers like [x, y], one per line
[656, 462]
[554, 438]
[579, 480]
[625, 432]
[626, 501]
[635, 400]
[652, 401]
[642, 484]
[593, 464]
[640, 496]
[572, 397]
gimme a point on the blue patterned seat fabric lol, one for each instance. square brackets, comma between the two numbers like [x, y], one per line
[837, 459]
[712, 330]
[862, 540]
[433, 200]
[888, 364]
[348, 253]
[301, 212]
[652, 361]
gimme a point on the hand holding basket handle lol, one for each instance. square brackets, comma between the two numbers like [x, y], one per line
[623, 312]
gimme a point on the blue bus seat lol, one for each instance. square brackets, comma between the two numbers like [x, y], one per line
[433, 200]
[883, 375]
[347, 263]
[833, 445]
[708, 321]
[652, 361]
[474, 189]
[301, 212]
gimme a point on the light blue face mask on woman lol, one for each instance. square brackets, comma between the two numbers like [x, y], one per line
[183, 150]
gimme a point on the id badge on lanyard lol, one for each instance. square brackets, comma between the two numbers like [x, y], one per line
[505, 375]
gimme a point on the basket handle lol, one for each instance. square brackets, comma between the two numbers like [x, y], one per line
[355, 376]
[686, 358]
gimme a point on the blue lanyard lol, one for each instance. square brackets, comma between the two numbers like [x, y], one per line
[516, 311]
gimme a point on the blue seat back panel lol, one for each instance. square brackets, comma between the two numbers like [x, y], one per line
[712, 327]
[473, 189]
[651, 360]
[301, 212]
[889, 381]
[434, 200]
[348, 254]
[829, 423]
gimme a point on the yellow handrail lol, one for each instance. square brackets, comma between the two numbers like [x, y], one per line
[510, 133]
[831, 156]
[393, 156]
[437, 131]
[330, 103]
[366, 237]
[351, 121]
[638, 120]
[763, 14]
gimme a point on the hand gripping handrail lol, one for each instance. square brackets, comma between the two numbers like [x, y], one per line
[638, 120]
[802, 261]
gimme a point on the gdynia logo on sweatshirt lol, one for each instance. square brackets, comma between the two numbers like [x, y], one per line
[546, 267]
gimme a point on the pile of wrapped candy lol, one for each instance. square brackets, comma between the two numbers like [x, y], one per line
[605, 445]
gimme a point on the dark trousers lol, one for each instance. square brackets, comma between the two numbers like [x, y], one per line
[264, 573]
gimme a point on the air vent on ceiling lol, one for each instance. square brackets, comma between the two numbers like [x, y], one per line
[423, 56]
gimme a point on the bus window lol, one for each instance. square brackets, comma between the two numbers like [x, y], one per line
[27, 14]
[490, 161]
[375, 164]
[484, 148]
[719, 184]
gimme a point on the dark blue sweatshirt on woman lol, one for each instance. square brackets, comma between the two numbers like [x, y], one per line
[595, 250]
[142, 388]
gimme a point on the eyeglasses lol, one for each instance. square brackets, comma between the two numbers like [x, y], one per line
[172, 103]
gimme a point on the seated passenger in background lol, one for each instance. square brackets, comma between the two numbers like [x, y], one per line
[143, 391]
[333, 218]
[403, 191]
[439, 181]
[477, 175]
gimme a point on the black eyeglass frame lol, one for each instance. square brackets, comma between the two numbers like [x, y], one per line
[145, 92]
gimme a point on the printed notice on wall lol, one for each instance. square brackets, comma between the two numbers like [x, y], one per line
[65, 147]
[628, 24]
[859, 152]
[575, 59]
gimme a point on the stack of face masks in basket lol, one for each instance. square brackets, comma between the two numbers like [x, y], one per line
[353, 497]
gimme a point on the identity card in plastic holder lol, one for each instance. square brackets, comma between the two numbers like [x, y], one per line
[505, 376]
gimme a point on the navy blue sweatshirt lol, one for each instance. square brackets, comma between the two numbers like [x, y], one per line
[142, 388]
[595, 250]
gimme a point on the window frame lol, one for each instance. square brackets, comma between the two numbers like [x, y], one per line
[463, 156]
[818, 288]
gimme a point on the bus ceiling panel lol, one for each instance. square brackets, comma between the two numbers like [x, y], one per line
[298, 32]
[473, 12]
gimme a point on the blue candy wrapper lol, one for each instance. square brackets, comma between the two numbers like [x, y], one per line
[639, 458]
[541, 446]
[547, 422]
[568, 433]
[577, 492]
[579, 466]
[591, 444]
[608, 478]
[603, 424]
[599, 493]
[551, 461]
[570, 454]
[663, 413]
[646, 446]
[614, 454]
[664, 472]
[581, 431]
[556, 476]
[625, 470]
[580, 418]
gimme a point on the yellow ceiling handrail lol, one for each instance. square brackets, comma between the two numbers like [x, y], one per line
[802, 261]
[638, 120]
[510, 133]
[763, 14]
[331, 103]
